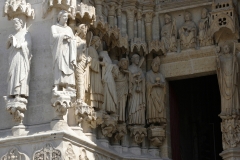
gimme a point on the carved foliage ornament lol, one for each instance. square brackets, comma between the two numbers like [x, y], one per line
[14, 154]
[48, 153]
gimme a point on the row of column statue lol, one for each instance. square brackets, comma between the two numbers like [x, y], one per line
[110, 95]
[189, 35]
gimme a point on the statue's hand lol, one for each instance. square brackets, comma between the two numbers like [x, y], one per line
[102, 63]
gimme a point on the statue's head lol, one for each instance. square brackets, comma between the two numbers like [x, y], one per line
[204, 13]
[226, 49]
[95, 41]
[62, 17]
[135, 59]
[18, 24]
[123, 63]
[187, 16]
[82, 29]
[155, 64]
[167, 18]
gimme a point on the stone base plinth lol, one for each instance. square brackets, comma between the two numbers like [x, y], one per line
[231, 154]
[154, 152]
[135, 150]
[118, 148]
[19, 130]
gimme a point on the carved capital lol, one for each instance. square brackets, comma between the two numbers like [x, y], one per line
[130, 13]
[230, 133]
[138, 133]
[85, 10]
[139, 15]
[98, 2]
[14, 154]
[148, 17]
[156, 46]
[13, 8]
[120, 132]
[111, 8]
[16, 107]
[138, 43]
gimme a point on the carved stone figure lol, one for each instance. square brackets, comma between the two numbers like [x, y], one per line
[96, 88]
[63, 46]
[204, 24]
[109, 72]
[69, 154]
[136, 104]
[122, 88]
[83, 60]
[48, 152]
[188, 32]
[169, 34]
[83, 154]
[20, 56]
[155, 84]
[227, 72]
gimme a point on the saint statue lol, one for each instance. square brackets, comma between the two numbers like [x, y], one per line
[63, 46]
[83, 60]
[96, 88]
[136, 103]
[227, 72]
[204, 24]
[19, 44]
[122, 88]
[169, 34]
[109, 72]
[155, 85]
[188, 32]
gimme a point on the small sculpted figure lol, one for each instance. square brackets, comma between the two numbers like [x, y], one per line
[169, 34]
[136, 103]
[96, 88]
[227, 71]
[188, 32]
[155, 84]
[63, 46]
[109, 72]
[83, 60]
[122, 88]
[20, 56]
[204, 24]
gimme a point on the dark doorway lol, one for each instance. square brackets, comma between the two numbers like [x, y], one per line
[195, 126]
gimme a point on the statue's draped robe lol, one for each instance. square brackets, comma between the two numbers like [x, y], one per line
[96, 88]
[122, 93]
[187, 35]
[64, 55]
[136, 103]
[156, 112]
[110, 94]
[19, 64]
[168, 37]
[227, 71]
[82, 69]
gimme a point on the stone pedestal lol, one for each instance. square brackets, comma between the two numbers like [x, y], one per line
[135, 150]
[19, 130]
[231, 154]
[154, 152]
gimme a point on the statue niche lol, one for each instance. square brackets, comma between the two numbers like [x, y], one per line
[188, 32]
[227, 72]
[169, 34]
[19, 44]
[205, 39]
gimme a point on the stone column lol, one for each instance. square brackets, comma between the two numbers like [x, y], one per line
[148, 32]
[111, 13]
[130, 22]
[139, 23]
[119, 17]
[98, 6]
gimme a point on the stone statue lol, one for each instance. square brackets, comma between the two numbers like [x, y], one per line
[204, 24]
[83, 60]
[122, 88]
[188, 32]
[169, 34]
[136, 103]
[96, 88]
[19, 44]
[109, 72]
[155, 85]
[63, 46]
[227, 72]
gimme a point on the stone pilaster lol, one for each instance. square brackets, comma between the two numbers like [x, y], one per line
[139, 23]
